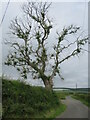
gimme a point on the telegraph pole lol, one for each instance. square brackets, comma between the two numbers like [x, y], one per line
[76, 87]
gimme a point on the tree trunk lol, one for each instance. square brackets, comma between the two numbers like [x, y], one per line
[48, 84]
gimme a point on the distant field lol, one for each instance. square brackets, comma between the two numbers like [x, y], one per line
[70, 90]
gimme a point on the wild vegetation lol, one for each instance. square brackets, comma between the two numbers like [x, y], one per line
[62, 94]
[25, 101]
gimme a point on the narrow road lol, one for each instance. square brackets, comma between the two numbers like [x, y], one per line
[75, 109]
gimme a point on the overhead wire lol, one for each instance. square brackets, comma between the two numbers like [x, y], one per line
[4, 13]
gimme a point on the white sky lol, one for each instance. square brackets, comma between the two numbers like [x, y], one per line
[47, 0]
[63, 13]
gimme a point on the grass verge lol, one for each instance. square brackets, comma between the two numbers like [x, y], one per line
[84, 98]
[57, 111]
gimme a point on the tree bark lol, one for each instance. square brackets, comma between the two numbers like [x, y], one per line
[48, 84]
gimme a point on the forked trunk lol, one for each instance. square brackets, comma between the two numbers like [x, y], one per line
[48, 84]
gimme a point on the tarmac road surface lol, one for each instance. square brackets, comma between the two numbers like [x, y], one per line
[75, 109]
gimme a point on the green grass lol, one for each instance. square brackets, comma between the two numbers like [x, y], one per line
[25, 101]
[57, 111]
[61, 94]
[0, 110]
[84, 98]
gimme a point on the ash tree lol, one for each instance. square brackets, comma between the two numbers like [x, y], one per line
[30, 52]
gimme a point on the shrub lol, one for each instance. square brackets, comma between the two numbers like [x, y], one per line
[20, 100]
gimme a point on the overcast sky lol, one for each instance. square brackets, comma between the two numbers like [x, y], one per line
[74, 70]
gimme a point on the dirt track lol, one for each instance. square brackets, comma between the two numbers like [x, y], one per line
[75, 109]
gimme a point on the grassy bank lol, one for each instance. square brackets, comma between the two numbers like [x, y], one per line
[24, 101]
[84, 98]
[0, 110]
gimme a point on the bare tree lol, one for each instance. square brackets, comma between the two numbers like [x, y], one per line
[31, 54]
